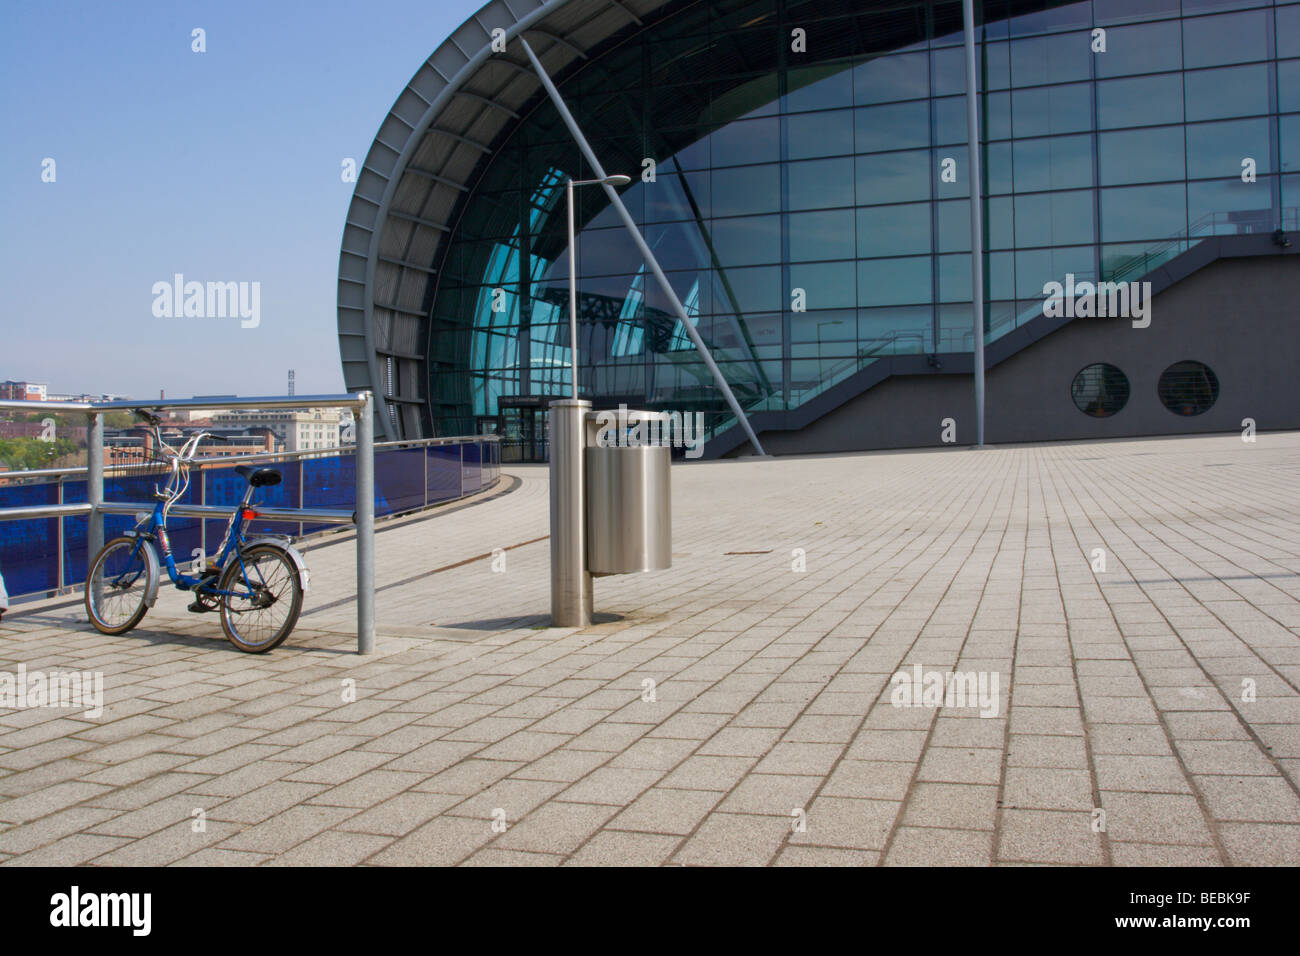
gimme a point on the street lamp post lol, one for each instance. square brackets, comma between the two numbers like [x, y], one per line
[571, 596]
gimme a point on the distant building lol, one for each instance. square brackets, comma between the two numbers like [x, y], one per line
[297, 429]
[135, 446]
[85, 397]
[22, 391]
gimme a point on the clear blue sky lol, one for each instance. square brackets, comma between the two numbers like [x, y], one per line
[223, 166]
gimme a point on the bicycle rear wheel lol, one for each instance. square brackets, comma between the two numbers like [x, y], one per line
[118, 585]
[268, 599]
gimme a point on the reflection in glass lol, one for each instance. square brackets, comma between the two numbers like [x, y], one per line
[1141, 156]
[1146, 101]
[1188, 388]
[1233, 91]
[1100, 390]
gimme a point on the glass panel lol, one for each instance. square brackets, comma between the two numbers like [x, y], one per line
[1141, 156]
[1290, 140]
[893, 177]
[1235, 38]
[746, 141]
[1235, 91]
[604, 252]
[1147, 48]
[821, 235]
[1060, 162]
[887, 79]
[1143, 212]
[1217, 149]
[899, 330]
[1288, 31]
[997, 66]
[820, 183]
[818, 88]
[894, 230]
[894, 281]
[1206, 6]
[1107, 12]
[826, 285]
[820, 134]
[995, 113]
[753, 290]
[898, 126]
[954, 225]
[676, 197]
[948, 71]
[997, 167]
[678, 246]
[1001, 224]
[748, 241]
[1229, 207]
[833, 329]
[1051, 59]
[1001, 274]
[954, 158]
[1070, 16]
[1051, 109]
[1288, 85]
[1141, 102]
[746, 189]
[1037, 267]
[950, 120]
[954, 279]
[1054, 219]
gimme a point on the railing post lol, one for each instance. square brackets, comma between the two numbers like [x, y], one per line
[302, 496]
[203, 522]
[59, 537]
[366, 524]
[94, 485]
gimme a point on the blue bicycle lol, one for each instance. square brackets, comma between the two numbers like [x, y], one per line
[256, 584]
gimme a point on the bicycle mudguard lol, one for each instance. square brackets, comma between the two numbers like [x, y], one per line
[282, 542]
[155, 571]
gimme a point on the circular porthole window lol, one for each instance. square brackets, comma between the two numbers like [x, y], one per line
[1100, 390]
[1188, 388]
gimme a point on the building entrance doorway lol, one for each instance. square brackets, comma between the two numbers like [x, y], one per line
[523, 427]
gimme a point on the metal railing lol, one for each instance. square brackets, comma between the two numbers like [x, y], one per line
[94, 508]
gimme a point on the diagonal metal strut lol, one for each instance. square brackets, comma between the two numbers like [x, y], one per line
[646, 252]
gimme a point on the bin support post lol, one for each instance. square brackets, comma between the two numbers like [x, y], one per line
[571, 593]
[366, 523]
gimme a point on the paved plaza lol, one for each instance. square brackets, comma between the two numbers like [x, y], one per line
[1131, 609]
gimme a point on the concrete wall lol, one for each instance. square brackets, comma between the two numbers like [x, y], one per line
[1241, 317]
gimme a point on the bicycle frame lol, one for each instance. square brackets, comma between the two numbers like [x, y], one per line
[154, 527]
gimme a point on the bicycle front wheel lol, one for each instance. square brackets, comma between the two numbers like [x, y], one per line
[118, 585]
[266, 599]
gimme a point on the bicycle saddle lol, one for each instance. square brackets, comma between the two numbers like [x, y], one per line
[259, 477]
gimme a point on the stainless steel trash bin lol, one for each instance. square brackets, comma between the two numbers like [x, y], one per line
[629, 505]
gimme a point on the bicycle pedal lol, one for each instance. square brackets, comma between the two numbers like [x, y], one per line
[198, 607]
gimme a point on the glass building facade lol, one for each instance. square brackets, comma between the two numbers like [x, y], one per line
[800, 170]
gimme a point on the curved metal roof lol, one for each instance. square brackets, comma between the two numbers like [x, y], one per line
[423, 159]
